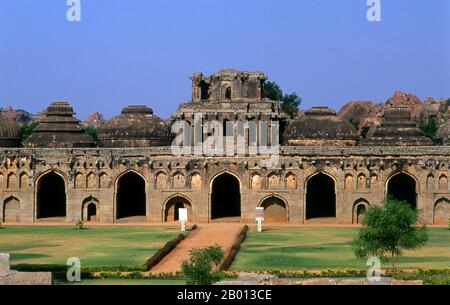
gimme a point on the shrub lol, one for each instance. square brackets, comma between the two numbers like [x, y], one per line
[79, 225]
[201, 269]
[163, 252]
[228, 261]
[387, 231]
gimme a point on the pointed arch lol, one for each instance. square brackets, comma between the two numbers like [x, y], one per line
[225, 192]
[320, 196]
[23, 180]
[131, 196]
[441, 211]
[51, 195]
[360, 207]
[173, 203]
[276, 209]
[11, 210]
[90, 209]
[91, 180]
[403, 186]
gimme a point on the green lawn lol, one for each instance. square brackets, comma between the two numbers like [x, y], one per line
[95, 246]
[282, 248]
[124, 282]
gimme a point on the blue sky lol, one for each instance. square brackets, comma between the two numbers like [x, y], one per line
[142, 52]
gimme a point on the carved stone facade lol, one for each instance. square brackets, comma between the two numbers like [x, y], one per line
[324, 174]
[360, 176]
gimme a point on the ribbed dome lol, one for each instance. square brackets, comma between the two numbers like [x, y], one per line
[9, 132]
[59, 128]
[136, 126]
[320, 126]
[443, 133]
[398, 129]
[60, 108]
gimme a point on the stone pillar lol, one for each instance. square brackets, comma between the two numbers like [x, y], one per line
[4, 265]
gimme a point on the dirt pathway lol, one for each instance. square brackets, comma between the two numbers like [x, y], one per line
[222, 234]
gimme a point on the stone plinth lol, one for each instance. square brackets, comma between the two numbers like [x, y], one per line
[11, 277]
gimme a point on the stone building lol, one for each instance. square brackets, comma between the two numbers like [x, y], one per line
[324, 172]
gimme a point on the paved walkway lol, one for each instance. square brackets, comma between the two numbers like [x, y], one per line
[222, 234]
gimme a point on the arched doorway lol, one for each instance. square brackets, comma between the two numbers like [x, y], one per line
[90, 210]
[51, 197]
[11, 210]
[130, 200]
[441, 213]
[225, 197]
[172, 206]
[403, 187]
[275, 210]
[359, 210]
[321, 198]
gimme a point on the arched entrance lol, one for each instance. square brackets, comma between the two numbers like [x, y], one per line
[11, 210]
[359, 210]
[130, 200]
[403, 187]
[441, 214]
[172, 206]
[90, 210]
[51, 197]
[321, 198]
[275, 210]
[225, 197]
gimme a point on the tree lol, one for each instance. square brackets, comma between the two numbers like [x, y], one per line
[288, 102]
[93, 132]
[388, 230]
[26, 130]
[429, 128]
[202, 267]
[273, 91]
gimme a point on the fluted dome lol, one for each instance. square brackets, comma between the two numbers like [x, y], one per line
[9, 132]
[136, 126]
[59, 128]
[320, 126]
[397, 129]
[443, 133]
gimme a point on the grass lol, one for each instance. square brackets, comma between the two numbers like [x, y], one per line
[124, 282]
[283, 248]
[128, 247]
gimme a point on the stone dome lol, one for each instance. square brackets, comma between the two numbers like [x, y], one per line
[397, 129]
[320, 126]
[59, 128]
[136, 126]
[443, 133]
[9, 132]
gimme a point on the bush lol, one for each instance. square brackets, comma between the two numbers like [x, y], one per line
[201, 269]
[163, 252]
[228, 261]
[387, 231]
[79, 225]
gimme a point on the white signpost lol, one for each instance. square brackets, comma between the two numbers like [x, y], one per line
[259, 212]
[183, 217]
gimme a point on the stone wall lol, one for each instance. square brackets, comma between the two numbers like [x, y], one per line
[360, 175]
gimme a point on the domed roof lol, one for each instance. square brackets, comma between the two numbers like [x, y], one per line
[136, 126]
[320, 126]
[443, 133]
[397, 129]
[9, 132]
[59, 128]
